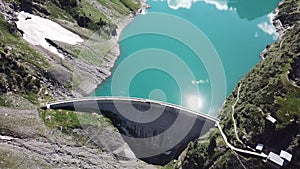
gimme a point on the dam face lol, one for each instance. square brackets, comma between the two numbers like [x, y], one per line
[156, 133]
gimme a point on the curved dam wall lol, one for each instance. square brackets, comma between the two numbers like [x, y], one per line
[156, 133]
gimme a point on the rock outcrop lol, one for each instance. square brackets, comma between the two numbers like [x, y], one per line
[294, 74]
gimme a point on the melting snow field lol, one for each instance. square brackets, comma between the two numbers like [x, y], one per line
[36, 29]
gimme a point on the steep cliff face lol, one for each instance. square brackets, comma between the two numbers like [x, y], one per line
[294, 75]
[265, 90]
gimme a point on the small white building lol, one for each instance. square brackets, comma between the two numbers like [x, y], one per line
[259, 147]
[271, 119]
[286, 155]
[275, 159]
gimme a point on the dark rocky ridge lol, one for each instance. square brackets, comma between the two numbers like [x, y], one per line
[16, 77]
[294, 74]
[19, 76]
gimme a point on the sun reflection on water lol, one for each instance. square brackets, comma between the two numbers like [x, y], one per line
[194, 102]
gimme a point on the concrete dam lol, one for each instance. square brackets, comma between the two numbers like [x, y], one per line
[156, 132]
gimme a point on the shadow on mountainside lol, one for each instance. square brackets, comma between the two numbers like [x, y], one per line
[277, 140]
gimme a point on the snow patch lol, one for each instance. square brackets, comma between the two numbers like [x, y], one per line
[36, 29]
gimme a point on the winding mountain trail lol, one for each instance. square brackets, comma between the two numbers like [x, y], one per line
[232, 115]
[262, 155]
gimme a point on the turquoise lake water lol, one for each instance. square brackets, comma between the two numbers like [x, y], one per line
[161, 67]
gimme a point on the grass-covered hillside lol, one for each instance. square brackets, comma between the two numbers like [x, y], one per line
[270, 88]
[21, 67]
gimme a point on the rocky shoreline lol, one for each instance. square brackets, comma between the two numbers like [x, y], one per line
[74, 67]
[103, 72]
[265, 91]
[280, 30]
[115, 50]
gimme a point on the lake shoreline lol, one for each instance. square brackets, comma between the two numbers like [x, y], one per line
[280, 29]
[115, 51]
[94, 75]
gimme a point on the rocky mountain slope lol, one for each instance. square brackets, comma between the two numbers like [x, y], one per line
[31, 76]
[98, 22]
[270, 88]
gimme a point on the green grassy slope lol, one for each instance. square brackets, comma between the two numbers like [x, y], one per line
[24, 71]
[21, 67]
[265, 90]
